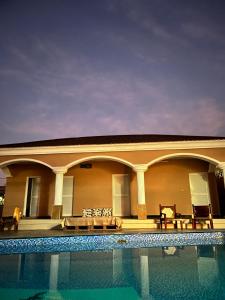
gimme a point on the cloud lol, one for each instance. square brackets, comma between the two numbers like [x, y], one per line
[195, 117]
[165, 32]
[70, 95]
[204, 30]
[143, 14]
[119, 104]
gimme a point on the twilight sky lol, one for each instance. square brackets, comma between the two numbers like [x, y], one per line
[94, 67]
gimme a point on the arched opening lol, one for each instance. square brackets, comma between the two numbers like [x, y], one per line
[100, 158]
[98, 182]
[183, 179]
[185, 155]
[22, 160]
[29, 185]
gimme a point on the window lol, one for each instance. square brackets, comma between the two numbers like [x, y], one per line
[199, 188]
[67, 199]
[121, 194]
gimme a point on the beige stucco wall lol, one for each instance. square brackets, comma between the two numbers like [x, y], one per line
[16, 187]
[93, 187]
[165, 183]
[132, 157]
[168, 183]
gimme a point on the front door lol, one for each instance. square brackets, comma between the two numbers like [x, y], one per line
[33, 195]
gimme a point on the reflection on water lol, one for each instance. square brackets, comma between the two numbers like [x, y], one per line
[195, 272]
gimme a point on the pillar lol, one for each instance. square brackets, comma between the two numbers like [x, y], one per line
[57, 208]
[222, 167]
[140, 170]
[7, 174]
[220, 173]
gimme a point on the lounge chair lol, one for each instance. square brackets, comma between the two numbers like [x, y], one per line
[202, 214]
[11, 221]
[167, 215]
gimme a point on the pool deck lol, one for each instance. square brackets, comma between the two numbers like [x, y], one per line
[10, 234]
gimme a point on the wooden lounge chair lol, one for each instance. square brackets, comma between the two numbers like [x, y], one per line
[202, 214]
[167, 215]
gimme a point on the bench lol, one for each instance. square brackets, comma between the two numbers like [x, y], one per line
[93, 218]
[91, 222]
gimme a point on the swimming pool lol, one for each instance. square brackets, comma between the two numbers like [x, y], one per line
[169, 271]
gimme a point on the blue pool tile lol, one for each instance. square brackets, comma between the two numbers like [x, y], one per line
[106, 242]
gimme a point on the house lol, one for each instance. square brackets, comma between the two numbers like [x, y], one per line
[132, 174]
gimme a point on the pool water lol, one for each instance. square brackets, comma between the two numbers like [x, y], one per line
[190, 272]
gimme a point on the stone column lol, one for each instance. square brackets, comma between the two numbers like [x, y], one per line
[213, 188]
[59, 172]
[5, 182]
[222, 167]
[140, 170]
[220, 173]
[6, 172]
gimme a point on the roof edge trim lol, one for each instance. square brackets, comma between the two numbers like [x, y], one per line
[114, 147]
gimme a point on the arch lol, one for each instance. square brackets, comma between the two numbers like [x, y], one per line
[112, 158]
[184, 155]
[12, 161]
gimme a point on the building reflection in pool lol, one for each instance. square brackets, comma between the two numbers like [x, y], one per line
[153, 273]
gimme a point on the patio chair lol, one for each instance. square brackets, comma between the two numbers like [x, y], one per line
[202, 214]
[167, 215]
[11, 221]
